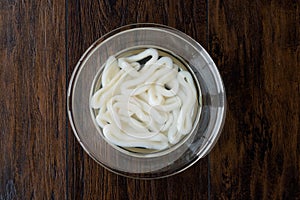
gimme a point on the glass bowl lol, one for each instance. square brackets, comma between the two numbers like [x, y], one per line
[210, 115]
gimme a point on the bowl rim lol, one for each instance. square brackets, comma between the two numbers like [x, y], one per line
[219, 123]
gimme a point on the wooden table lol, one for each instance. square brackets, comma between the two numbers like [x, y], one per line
[256, 46]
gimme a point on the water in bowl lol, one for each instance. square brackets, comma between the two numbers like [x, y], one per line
[183, 65]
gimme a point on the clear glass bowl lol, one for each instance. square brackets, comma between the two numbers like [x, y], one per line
[206, 129]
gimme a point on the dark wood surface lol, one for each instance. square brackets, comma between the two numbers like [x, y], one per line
[256, 46]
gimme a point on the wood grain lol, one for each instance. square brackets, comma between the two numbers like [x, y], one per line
[256, 45]
[32, 100]
[87, 21]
